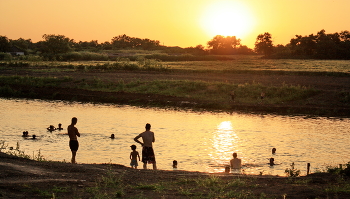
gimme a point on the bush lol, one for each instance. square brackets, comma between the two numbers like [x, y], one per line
[5, 56]
[82, 56]
[346, 171]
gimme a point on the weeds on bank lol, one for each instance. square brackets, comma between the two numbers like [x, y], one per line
[292, 171]
[109, 185]
[19, 153]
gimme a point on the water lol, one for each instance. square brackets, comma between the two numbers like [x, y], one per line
[199, 141]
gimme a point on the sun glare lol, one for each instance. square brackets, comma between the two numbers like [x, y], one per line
[227, 18]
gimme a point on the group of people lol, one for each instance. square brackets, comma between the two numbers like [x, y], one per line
[236, 163]
[148, 156]
[147, 136]
[53, 128]
[26, 135]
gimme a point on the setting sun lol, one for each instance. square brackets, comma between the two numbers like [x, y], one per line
[227, 18]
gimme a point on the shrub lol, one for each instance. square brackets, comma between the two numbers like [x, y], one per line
[292, 172]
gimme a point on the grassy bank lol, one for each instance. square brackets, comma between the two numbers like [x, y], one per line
[216, 94]
[150, 82]
[49, 179]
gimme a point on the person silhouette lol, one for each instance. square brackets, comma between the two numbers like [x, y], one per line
[59, 127]
[147, 147]
[235, 163]
[51, 128]
[73, 140]
[273, 150]
[174, 164]
[133, 157]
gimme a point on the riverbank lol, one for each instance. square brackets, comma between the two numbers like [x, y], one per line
[24, 178]
[317, 95]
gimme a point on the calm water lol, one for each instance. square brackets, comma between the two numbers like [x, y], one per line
[198, 141]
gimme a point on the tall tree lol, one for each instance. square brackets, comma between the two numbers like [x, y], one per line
[55, 44]
[264, 44]
[223, 45]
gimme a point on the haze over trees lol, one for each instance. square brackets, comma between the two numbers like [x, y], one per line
[60, 47]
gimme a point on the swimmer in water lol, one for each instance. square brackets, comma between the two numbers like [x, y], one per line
[59, 127]
[175, 164]
[51, 128]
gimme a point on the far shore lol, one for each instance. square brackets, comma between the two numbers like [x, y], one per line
[330, 98]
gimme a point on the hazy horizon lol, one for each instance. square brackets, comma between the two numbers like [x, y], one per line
[174, 23]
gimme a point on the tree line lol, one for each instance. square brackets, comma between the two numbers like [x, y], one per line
[318, 46]
[313, 46]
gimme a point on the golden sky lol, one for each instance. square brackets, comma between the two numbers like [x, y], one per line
[181, 23]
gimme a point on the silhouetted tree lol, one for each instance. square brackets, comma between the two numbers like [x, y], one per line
[264, 44]
[23, 44]
[55, 44]
[223, 45]
[198, 50]
[124, 41]
[4, 44]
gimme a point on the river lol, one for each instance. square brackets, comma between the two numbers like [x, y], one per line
[199, 141]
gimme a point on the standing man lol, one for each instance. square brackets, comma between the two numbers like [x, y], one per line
[147, 148]
[73, 140]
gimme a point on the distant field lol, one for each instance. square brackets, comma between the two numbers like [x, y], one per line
[256, 63]
[240, 63]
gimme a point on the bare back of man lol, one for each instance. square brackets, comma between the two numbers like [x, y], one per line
[73, 133]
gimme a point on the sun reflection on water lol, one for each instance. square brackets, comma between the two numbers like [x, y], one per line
[224, 143]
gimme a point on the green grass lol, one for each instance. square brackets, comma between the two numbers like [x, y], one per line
[239, 64]
[211, 91]
[214, 92]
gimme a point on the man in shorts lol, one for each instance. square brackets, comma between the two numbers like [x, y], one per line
[73, 140]
[147, 148]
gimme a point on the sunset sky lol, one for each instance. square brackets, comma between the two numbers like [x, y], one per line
[181, 23]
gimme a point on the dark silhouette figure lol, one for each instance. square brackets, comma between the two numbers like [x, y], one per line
[147, 148]
[232, 94]
[59, 127]
[273, 150]
[51, 128]
[73, 140]
[174, 164]
[25, 134]
[133, 157]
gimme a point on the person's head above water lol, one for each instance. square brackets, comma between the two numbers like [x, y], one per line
[273, 150]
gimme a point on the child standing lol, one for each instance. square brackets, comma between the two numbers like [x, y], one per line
[133, 156]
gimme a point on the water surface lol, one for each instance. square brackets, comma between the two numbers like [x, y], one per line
[199, 141]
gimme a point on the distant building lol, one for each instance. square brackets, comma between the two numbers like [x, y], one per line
[14, 51]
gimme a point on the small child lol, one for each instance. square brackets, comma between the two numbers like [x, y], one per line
[133, 156]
